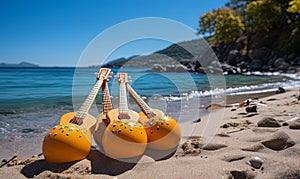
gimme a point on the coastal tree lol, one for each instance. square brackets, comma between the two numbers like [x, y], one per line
[222, 24]
[264, 15]
[294, 6]
[249, 17]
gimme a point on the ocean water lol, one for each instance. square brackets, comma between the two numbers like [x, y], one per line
[33, 99]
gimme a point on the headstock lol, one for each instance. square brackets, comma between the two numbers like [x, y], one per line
[122, 78]
[104, 74]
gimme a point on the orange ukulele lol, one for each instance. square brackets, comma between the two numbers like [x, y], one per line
[71, 139]
[163, 132]
[102, 118]
[124, 137]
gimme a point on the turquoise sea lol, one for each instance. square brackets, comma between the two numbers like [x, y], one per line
[33, 99]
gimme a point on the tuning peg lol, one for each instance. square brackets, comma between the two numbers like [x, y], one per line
[111, 73]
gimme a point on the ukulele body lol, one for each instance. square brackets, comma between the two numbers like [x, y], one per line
[163, 132]
[124, 138]
[68, 142]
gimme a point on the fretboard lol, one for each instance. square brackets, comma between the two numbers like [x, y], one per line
[107, 105]
[86, 106]
[123, 106]
[140, 102]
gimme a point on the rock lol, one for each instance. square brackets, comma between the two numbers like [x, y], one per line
[260, 53]
[157, 68]
[244, 66]
[233, 57]
[265, 67]
[297, 61]
[281, 64]
[291, 57]
[278, 141]
[253, 148]
[255, 162]
[294, 125]
[256, 65]
[197, 121]
[181, 68]
[232, 158]
[268, 122]
[213, 146]
[176, 68]
[285, 124]
[228, 69]
[271, 61]
[241, 175]
[251, 108]
[4, 160]
[280, 90]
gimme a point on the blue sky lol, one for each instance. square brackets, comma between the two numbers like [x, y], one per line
[55, 32]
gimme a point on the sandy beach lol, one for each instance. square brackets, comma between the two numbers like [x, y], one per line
[272, 134]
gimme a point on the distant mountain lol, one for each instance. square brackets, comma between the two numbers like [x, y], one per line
[168, 56]
[20, 65]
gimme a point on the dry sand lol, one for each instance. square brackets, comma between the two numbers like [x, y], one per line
[225, 156]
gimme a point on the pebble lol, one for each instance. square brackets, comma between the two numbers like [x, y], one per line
[280, 90]
[294, 125]
[278, 141]
[213, 146]
[268, 122]
[4, 160]
[198, 120]
[255, 162]
[251, 109]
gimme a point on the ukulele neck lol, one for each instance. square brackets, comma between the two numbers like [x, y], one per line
[123, 106]
[139, 101]
[107, 104]
[87, 104]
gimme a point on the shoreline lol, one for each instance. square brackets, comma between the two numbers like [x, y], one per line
[227, 152]
[19, 144]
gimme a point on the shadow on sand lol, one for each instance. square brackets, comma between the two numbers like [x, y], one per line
[100, 163]
[39, 166]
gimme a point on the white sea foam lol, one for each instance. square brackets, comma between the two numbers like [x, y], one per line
[289, 75]
[242, 90]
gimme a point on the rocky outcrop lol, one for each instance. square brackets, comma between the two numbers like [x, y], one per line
[258, 52]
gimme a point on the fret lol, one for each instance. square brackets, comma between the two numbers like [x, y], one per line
[107, 105]
[123, 105]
